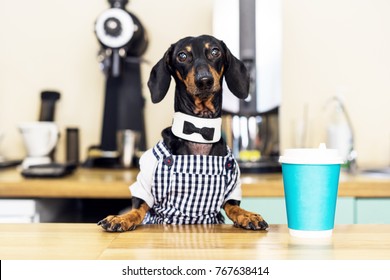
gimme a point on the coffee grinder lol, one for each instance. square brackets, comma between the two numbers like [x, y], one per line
[251, 126]
[123, 41]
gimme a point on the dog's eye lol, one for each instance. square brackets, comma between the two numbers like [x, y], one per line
[182, 56]
[215, 52]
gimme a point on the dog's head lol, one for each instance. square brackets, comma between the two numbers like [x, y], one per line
[198, 65]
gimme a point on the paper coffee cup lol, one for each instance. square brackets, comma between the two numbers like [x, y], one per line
[310, 179]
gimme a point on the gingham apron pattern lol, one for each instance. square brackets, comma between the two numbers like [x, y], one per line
[190, 189]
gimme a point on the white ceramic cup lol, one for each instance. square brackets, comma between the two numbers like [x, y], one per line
[39, 138]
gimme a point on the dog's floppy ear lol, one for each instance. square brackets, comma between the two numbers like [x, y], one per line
[160, 77]
[236, 74]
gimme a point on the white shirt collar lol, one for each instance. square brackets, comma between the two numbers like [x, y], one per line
[179, 120]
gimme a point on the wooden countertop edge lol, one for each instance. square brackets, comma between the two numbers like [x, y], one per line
[115, 184]
[75, 190]
[121, 191]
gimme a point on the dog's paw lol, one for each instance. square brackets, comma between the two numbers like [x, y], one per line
[252, 221]
[117, 223]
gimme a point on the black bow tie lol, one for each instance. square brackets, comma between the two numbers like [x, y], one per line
[206, 132]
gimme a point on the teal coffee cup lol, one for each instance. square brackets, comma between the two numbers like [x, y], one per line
[310, 179]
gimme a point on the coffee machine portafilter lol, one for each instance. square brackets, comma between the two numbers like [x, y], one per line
[123, 41]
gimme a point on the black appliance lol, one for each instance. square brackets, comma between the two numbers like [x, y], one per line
[123, 41]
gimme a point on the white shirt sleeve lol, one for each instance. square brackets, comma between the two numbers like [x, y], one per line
[142, 188]
[236, 194]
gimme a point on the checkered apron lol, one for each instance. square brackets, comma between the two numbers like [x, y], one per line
[190, 189]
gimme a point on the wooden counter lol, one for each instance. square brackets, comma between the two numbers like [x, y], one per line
[100, 183]
[84, 183]
[88, 241]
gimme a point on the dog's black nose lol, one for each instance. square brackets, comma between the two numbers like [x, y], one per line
[204, 81]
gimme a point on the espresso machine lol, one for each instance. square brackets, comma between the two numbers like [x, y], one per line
[123, 41]
[251, 126]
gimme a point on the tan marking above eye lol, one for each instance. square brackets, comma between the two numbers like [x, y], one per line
[188, 48]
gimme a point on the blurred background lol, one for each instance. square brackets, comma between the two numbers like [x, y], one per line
[329, 48]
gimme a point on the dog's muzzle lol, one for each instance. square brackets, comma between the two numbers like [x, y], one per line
[204, 80]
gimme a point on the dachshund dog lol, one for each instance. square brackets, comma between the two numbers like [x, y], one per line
[189, 176]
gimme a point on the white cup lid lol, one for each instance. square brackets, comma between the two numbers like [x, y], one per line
[321, 155]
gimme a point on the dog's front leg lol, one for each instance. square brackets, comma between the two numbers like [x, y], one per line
[127, 221]
[243, 218]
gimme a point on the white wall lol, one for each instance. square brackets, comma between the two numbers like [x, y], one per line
[338, 47]
[329, 47]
